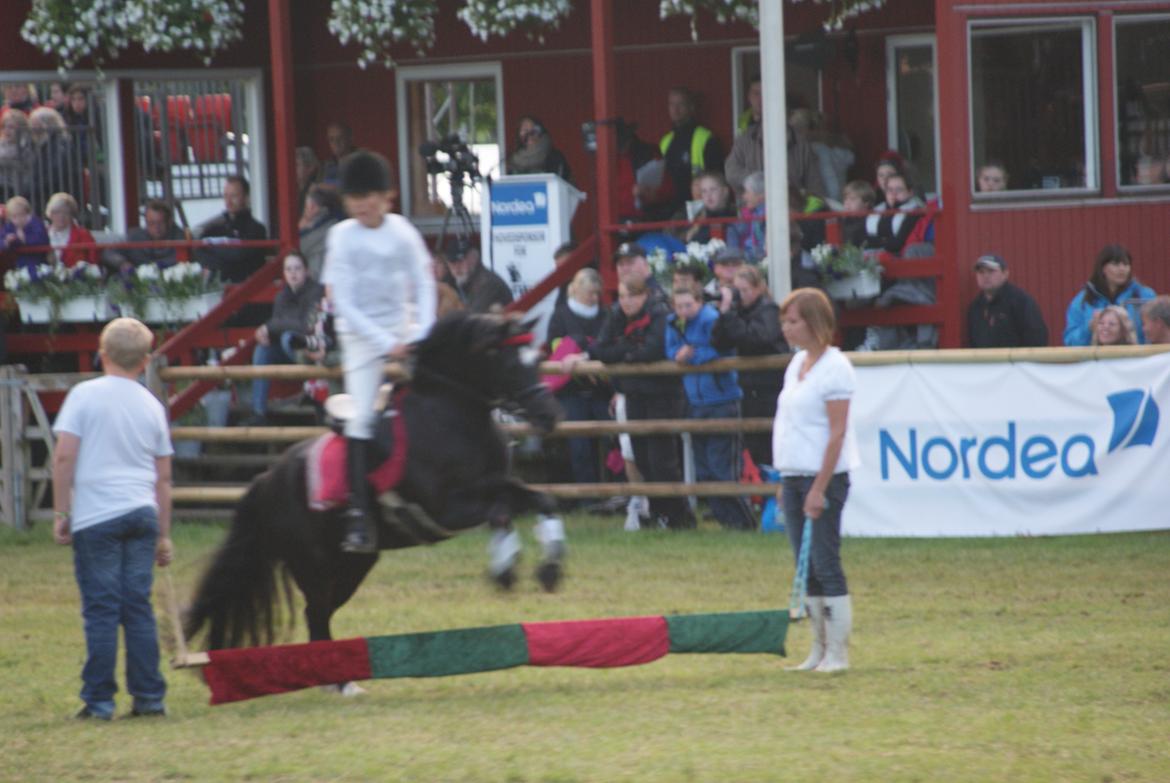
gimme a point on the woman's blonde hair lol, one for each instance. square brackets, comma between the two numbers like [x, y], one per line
[126, 342]
[61, 199]
[751, 275]
[585, 280]
[1128, 333]
[815, 309]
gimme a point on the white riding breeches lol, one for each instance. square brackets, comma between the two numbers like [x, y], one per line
[364, 373]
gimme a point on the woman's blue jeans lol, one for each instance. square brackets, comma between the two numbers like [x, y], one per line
[274, 353]
[114, 565]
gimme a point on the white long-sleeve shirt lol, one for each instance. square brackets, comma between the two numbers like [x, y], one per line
[383, 290]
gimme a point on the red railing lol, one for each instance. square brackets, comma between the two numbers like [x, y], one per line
[208, 332]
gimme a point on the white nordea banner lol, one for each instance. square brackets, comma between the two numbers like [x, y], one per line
[1011, 449]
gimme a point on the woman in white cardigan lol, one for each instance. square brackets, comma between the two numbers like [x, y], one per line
[814, 448]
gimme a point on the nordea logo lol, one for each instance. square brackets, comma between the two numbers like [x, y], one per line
[997, 457]
[513, 206]
[1006, 456]
[1135, 419]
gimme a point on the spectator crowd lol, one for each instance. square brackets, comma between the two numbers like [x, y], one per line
[710, 310]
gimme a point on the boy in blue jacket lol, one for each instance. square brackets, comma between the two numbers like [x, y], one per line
[710, 395]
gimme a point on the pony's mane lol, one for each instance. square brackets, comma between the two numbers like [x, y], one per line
[455, 334]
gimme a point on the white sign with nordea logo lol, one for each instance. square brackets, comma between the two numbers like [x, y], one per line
[1011, 449]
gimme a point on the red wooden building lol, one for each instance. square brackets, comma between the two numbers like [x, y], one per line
[1072, 97]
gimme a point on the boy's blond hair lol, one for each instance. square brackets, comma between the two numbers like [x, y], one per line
[17, 203]
[126, 342]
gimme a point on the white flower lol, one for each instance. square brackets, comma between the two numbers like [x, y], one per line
[147, 272]
[11, 280]
[93, 271]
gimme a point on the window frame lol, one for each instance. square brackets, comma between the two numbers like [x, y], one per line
[739, 96]
[1091, 96]
[429, 224]
[893, 43]
[112, 129]
[1123, 189]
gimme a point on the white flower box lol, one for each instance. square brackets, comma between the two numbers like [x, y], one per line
[866, 284]
[162, 311]
[82, 309]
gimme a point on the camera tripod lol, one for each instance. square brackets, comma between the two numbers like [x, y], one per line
[457, 218]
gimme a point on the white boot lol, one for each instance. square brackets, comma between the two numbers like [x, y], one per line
[815, 605]
[633, 514]
[838, 624]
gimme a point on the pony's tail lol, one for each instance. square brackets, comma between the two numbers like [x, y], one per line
[246, 590]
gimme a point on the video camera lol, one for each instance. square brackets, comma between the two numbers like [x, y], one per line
[450, 155]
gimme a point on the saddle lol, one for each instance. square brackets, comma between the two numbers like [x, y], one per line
[325, 466]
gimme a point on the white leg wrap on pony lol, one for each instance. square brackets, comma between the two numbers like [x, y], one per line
[550, 532]
[503, 551]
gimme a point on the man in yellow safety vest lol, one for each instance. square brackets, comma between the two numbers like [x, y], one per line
[688, 149]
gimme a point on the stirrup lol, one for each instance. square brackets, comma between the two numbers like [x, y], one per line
[361, 535]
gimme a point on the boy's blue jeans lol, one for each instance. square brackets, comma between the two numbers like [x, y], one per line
[114, 565]
[719, 458]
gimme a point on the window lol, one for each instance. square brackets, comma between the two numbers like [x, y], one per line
[53, 139]
[190, 135]
[1033, 105]
[1142, 47]
[435, 105]
[802, 78]
[911, 106]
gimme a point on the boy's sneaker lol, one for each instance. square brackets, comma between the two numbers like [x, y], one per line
[85, 713]
[160, 712]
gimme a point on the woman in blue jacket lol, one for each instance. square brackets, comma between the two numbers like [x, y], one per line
[1112, 283]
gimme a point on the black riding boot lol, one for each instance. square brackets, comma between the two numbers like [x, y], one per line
[361, 534]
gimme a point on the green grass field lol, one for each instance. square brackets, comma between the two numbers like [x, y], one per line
[974, 660]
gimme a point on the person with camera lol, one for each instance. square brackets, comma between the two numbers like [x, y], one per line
[289, 328]
[535, 153]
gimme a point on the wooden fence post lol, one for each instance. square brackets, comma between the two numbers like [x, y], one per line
[13, 462]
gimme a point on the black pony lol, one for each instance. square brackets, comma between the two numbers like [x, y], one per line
[456, 477]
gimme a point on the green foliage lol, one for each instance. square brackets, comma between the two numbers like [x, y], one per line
[973, 660]
[846, 260]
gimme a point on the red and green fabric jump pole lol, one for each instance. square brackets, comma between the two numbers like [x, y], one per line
[245, 673]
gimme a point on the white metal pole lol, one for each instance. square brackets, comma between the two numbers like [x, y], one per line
[775, 145]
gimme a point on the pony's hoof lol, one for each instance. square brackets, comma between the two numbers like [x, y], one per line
[549, 575]
[506, 579]
[347, 689]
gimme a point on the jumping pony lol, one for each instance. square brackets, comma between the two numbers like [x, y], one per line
[454, 477]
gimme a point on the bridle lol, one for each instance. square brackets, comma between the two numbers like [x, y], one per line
[515, 405]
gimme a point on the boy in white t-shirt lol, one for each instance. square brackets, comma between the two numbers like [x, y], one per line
[377, 271]
[112, 502]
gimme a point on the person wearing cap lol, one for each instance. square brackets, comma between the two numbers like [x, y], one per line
[1156, 320]
[1002, 315]
[632, 266]
[375, 263]
[480, 288]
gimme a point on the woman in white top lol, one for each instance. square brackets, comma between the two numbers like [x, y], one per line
[814, 448]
